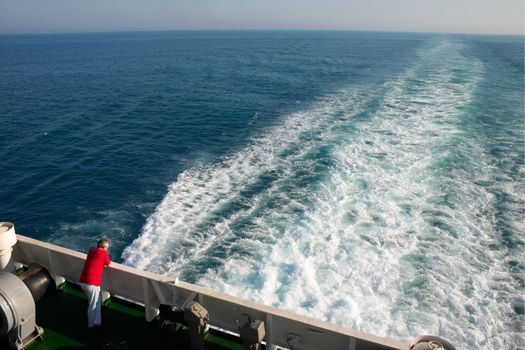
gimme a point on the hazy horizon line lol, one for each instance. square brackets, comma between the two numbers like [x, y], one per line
[255, 30]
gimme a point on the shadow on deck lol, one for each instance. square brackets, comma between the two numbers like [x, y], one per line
[63, 316]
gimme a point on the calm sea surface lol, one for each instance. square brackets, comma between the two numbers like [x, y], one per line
[373, 180]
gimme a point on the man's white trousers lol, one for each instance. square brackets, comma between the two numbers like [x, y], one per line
[95, 304]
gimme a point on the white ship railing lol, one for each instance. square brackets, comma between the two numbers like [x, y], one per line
[283, 329]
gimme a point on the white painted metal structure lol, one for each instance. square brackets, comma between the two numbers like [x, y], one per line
[7, 241]
[283, 329]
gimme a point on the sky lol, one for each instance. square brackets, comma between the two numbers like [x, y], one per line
[448, 16]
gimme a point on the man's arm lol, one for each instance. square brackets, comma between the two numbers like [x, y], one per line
[107, 262]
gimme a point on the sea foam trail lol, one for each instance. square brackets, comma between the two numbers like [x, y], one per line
[368, 212]
[200, 205]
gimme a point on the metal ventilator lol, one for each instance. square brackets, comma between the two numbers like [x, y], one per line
[430, 342]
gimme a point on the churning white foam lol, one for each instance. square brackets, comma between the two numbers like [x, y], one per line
[202, 191]
[376, 222]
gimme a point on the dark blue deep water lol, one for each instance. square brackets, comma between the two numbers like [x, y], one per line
[374, 180]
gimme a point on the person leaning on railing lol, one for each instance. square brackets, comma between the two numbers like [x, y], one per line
[90, 279]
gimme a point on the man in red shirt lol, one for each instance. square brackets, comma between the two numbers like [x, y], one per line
[97, 259]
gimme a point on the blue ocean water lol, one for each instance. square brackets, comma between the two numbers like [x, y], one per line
[374, 180]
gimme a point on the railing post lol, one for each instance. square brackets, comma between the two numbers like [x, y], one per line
[351, 343]
[58, 279]
[269, 332]
[150, 312]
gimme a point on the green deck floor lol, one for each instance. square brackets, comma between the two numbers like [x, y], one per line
[63, 316]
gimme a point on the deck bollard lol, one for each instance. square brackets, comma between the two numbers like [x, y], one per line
[197, 317]
[252, 334]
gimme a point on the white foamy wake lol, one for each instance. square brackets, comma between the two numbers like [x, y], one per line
[378, 222]
[201, 192]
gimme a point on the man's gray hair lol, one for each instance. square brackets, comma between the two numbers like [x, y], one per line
[103, 242]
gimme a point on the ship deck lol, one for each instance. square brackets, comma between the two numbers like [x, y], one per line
[137, 296]
[62, 315]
